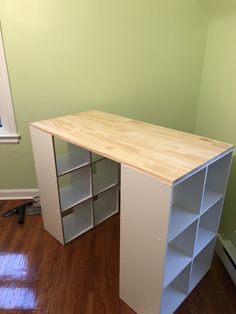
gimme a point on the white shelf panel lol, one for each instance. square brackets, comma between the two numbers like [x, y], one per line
[209, 199]
[71, 196]
[217, 175]
[204, 236]
[79, 221]
[175, 263]
[69, 157]
[171, 299]
[201, 264]
[198, 271]
[65, 164]
[75, 187]
[188, 194]
[71, 231]
[106, 205]
[180, 219]
[102, 186]
[105, 175]
[105, 214]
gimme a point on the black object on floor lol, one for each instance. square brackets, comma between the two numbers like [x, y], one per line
[19, 211]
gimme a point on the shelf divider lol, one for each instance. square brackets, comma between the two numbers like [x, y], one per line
[204, 236]
[75, 187]
[176, 261]
[176, 292]
[171, 299]
[209, 199]
[78, 221]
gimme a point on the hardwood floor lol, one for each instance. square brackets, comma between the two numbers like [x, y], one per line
[39, 275]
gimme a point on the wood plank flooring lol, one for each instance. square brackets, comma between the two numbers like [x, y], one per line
[38, 275]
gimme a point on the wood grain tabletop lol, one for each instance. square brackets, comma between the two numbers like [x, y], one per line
[165, 153]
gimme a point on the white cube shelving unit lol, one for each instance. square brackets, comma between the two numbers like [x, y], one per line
[81, 189]
[187, 218]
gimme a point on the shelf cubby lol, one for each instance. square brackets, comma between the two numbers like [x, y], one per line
[105, 174]
[216, 180]
[179, 253]
[201, 264]
[106, 204]
[187, 197]
[78, 220]
[208, 226]
[95, 157]
[69, 157]
[180, 219]
[75, 187]
[210, 198]
[175, 293]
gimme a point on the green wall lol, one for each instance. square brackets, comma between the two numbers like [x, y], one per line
[141, 59]
[218, 8]
[217, 104]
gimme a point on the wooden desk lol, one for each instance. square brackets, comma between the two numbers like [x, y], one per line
[172, 187]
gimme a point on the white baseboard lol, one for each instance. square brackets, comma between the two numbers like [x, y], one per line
[227, 252]
[18, 194]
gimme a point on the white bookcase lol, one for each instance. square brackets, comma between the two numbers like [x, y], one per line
[78, 188]
[194, 219]
[183, 222]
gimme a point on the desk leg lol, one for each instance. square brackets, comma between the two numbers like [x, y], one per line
[145, 210]
[44, 159]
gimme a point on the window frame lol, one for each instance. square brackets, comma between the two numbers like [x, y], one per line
[8, 130]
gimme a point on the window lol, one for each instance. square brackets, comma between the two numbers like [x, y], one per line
[8, 132]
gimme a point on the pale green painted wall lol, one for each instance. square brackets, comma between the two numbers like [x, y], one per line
[142, 59]
[217, 105]
[218, 8]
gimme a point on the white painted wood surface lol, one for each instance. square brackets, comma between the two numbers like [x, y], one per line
[145, 208]
[106, 204]
[8, 130]
[75, 158]
[105, 174]
[79, 221]
[78, 189]
[175, 293]
[44, 160]
[201, 264]
[18, 194]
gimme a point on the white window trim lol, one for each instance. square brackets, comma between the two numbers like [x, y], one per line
[8, 131]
